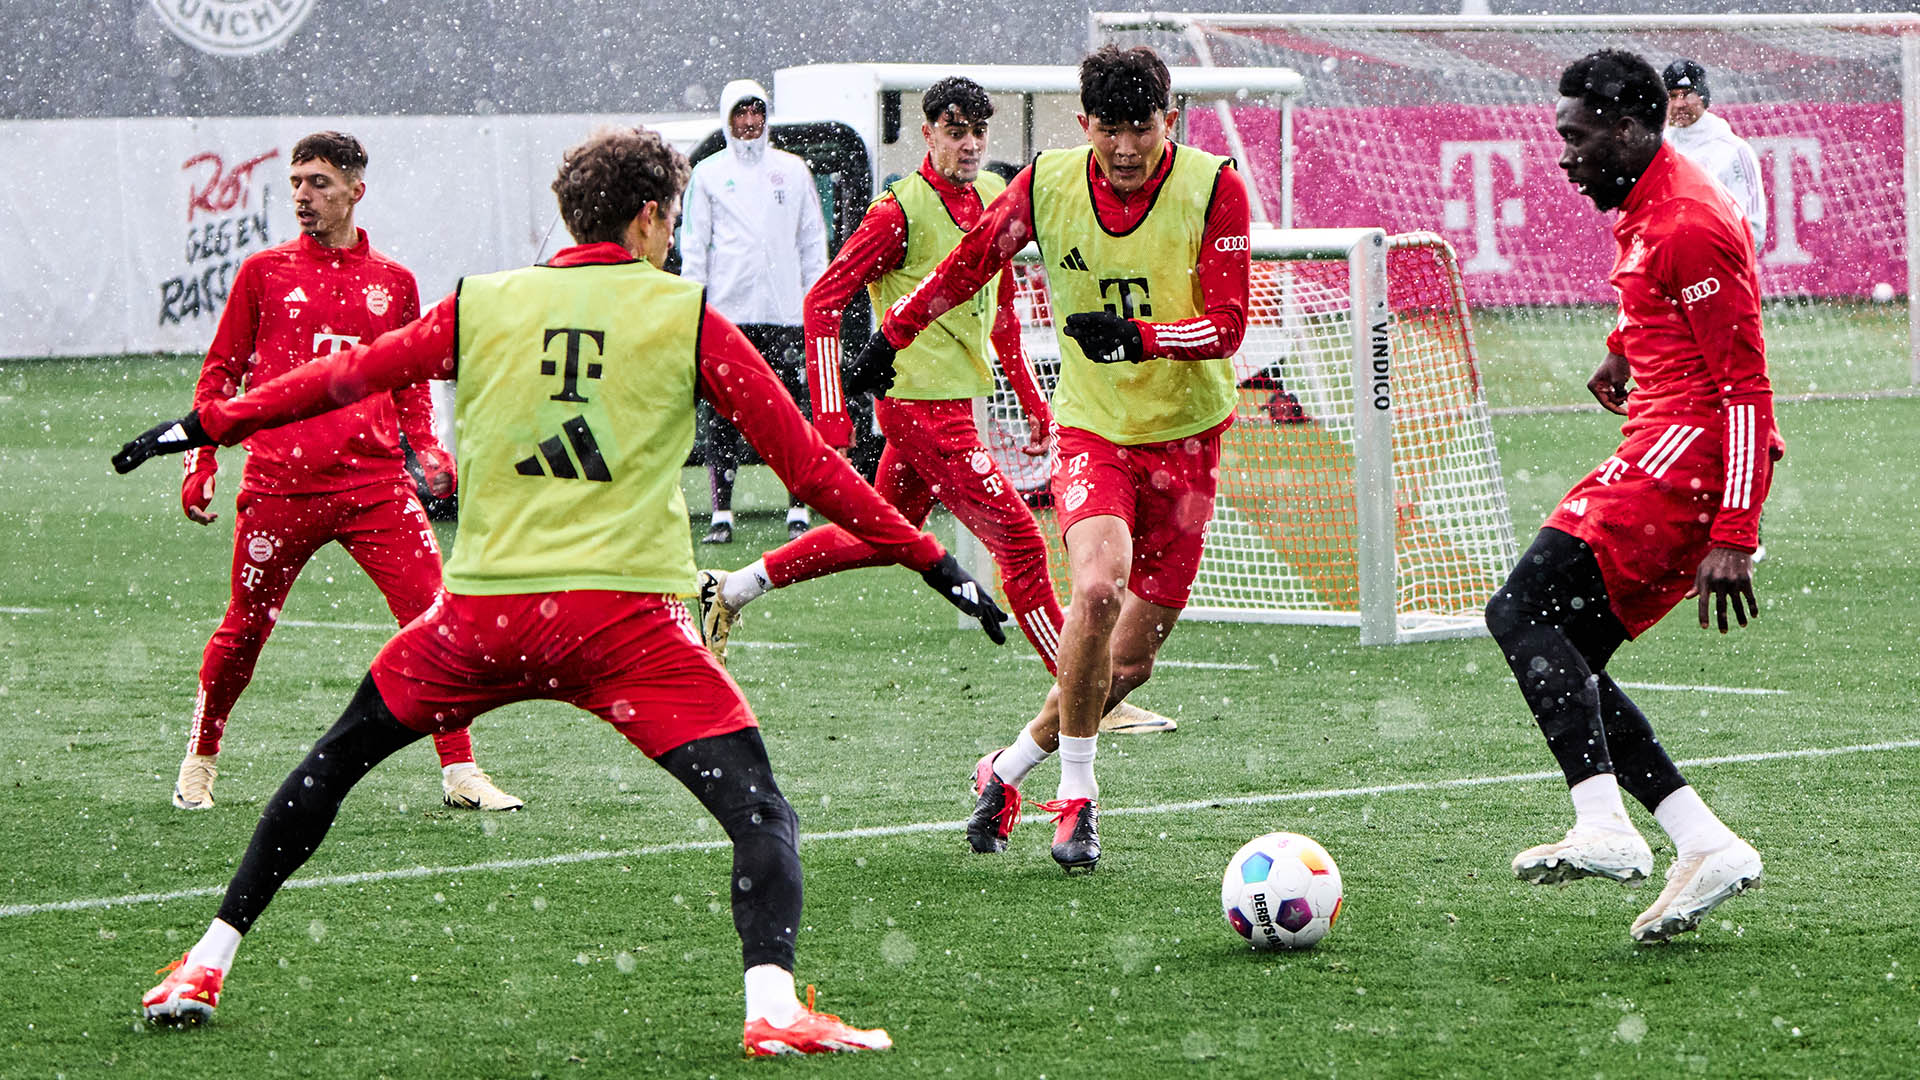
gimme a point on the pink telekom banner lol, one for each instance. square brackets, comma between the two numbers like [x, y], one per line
[1488, 179]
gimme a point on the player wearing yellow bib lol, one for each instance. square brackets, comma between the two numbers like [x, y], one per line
[1145, 248]
[577, 383]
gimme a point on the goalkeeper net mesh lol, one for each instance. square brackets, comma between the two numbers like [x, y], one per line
[1446, 124]
[1283, 545]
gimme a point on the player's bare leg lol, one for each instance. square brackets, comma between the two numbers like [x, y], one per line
[1132, 646]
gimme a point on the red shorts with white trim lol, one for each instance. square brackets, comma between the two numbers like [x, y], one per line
[1163, 491]
[632, 659]
[1648, 512]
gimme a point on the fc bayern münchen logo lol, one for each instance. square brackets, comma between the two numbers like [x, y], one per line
[233, 27]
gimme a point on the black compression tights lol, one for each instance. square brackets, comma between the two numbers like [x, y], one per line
[732, 778]
[1557, 631]
[729, 774]
[297, 817]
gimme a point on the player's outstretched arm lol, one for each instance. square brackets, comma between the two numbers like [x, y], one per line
[420, 350]
[742, 388]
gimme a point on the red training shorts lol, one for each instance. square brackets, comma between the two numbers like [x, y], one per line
[1163, 491]
[1647, 512]
[632, 659]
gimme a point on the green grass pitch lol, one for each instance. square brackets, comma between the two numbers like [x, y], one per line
[589, 935]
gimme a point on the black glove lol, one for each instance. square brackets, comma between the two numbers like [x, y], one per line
[958, 588]
[872, 371]
[1106, 339]
[166, 437]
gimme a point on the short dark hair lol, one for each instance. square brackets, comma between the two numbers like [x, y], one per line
[606, 181]
[336, 148]
[959, 93]
[1124, 84]
[1617, 84]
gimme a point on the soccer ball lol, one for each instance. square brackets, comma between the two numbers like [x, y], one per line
[1281, 891]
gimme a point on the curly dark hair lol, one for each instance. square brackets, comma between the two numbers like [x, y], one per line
[605, 182]
[336, 148]
[959, 93]
[1124, 84]
[1617, 84]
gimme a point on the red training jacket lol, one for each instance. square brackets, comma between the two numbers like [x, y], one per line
[1689, 327]
[295, 303]
[733, 376]
[875, 248]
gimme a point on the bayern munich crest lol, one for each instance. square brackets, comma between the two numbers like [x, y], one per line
[259, 548]
[233, 27]
[378, 299]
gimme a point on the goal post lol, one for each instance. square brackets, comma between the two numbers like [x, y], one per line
[1445, 123]
[1359, 484]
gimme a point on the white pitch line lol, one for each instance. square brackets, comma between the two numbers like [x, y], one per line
[569, 858]
[1752, 690]
[1208, 665]
[23, 611]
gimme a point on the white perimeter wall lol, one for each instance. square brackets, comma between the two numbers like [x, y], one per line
[122, 235]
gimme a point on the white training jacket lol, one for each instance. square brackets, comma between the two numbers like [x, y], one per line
[750, 225]
[1710, 143]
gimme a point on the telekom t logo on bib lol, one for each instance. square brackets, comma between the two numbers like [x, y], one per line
[1476, 212]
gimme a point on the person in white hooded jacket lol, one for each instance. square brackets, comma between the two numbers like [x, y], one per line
[1709, 142]
[752, 233]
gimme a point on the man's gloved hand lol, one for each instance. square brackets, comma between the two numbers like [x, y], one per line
[872, 371]
[958, 588]
[436, 468]
[196, 490]
[166, 437]
[1106, 339]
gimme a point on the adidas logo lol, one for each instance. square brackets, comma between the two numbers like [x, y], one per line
[1073, 261]
[297, 296]
[554, 453]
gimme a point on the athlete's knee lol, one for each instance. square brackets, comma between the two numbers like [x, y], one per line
[1503, 616]
[1097, 598]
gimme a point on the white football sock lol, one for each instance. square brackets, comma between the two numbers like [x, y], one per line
[216, 947]
[1076, 768]
[770, 995]
[1016, 761]
[1596, 803]
[1694, 827]
[745, 585]
[722, 517]
[799, 514]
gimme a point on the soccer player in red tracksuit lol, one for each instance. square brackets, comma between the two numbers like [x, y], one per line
[1145, 245]
[933, 448]
[335, 478]
[577, 383]
[1673, 513]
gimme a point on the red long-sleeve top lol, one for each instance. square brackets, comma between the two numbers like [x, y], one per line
[732, 375]
[1689, 327]
[295, 303]
[874, 249]
[1007, 226]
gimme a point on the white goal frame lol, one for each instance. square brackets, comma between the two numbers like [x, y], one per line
[1371, 359]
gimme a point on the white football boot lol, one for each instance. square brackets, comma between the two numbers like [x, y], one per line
[1695, 886]
[193, 790]
[711, 614]
[1126, 719]
[471, 789]
[1587, 851]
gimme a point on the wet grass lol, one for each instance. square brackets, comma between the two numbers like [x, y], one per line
[875, 708]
